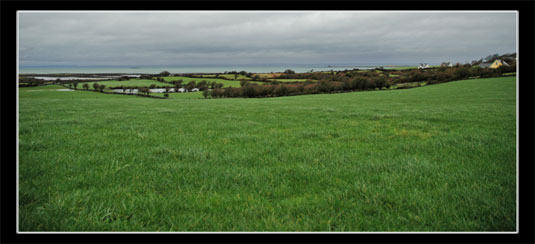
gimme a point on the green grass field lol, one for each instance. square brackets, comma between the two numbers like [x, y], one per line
[434, 158]
[231, 76]
[131, 83]
[186, 80]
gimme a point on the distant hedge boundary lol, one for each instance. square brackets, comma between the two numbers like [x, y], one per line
[117, 93]
[349, 81]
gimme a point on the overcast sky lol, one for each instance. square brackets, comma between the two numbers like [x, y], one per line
[256, 38]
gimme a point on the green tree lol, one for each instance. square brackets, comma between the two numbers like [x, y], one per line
[244, 83]
[289, 72]
[462, 72]
[164, 73]
[96, 86]
[206, 93]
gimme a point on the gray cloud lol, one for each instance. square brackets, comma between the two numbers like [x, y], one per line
[213, 37]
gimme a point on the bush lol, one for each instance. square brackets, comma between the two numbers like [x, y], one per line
[244, 83]
[281, 90]
[289, 71]
[206, 93]
[462, 73]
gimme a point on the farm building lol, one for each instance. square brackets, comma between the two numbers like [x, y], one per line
[497, 63]
[423, 66]
[484, 65]
[446, 64]
[494, 65]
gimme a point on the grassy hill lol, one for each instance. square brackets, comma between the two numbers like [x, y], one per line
[435, 158]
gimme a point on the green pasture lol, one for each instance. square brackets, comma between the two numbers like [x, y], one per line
[231, 76]
[130, 83]
[434, 158]
[186, 80]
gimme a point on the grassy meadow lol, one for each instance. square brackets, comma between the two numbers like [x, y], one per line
[433, 158]
[130, 83]
[186, 80]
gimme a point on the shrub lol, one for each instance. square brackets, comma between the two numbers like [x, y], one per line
[325, 86]
[462, 73]
[85, 86]
[281, 90]
[249, 91]
[244, 83]
[380, 82]
[101, 88]
[166, 95]
[206, 93]
[217, 92]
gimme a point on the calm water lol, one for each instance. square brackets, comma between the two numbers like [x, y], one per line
[155, 70]
[72, 78]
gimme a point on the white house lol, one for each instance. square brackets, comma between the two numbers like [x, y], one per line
[423, 66]
[195, 89]
[446, 64]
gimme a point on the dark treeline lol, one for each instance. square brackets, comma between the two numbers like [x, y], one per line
[30, 81]
[142, 91]
[177, 84]
[346, 81]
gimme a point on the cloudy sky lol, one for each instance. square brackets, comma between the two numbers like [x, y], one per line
[260, 38]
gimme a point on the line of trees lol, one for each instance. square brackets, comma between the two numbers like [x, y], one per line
[252, 90]
[356, 81]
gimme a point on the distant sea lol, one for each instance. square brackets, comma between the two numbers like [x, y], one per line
[181, 70]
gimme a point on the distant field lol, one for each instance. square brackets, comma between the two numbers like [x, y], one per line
[231, 76]
[401, 67]
[435, 158]
[226, 83]
[268, 75]
[131, 82]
